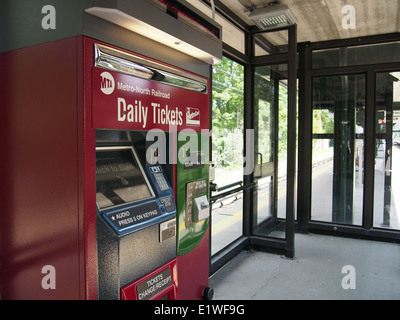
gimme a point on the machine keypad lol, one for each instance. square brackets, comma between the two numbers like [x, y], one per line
[161, 181]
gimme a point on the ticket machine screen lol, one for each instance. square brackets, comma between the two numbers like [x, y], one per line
[119, 178]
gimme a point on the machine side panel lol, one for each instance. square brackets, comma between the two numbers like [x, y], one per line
[38, 194]
[87, 176]
[194, 266]
[108, 262]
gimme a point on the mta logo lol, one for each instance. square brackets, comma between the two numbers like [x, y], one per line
[107, 84]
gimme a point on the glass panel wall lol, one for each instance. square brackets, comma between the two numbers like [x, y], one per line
[271, 106]
[227, 152]
[387, 151]
[351, 101]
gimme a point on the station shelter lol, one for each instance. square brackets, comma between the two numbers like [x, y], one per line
[148, 142]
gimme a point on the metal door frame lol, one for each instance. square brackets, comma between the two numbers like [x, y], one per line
[287, 245]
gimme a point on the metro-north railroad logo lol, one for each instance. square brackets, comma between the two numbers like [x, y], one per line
[192, 116]
[107, 84]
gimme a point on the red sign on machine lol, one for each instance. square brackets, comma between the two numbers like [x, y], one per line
[160, 283]
[122, 101]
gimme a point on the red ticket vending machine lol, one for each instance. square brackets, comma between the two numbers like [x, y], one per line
[157, 101]
[93, 125]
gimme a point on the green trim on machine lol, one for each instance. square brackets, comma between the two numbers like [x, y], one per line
[192, 182]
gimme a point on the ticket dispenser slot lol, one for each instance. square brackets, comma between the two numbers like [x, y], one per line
[136, 222]
[197, 206]
[201, 209]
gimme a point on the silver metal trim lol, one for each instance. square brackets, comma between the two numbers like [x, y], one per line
[119, 61]
[153, 195]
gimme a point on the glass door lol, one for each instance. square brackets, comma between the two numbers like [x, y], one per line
[274, 90]
[270, 136]
[387, 151]
[338, 149]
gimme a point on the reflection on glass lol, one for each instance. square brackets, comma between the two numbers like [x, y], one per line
[322, 180]
[264, 199]
[227, 151]
[323, 121]
[282, 153]
[387, 151]
[356, 55]
[271, 99]
[119, 178]
[338, 149]
[264, 115]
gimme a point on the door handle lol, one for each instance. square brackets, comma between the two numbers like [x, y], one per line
[261, 165]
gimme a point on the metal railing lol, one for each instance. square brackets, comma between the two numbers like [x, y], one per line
[232, 192]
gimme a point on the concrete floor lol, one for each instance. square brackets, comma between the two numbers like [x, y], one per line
[315, 273]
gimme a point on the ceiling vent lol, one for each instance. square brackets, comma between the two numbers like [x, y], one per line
[273, 16]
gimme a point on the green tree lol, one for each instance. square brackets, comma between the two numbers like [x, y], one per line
[227, 87]
[227, 113]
